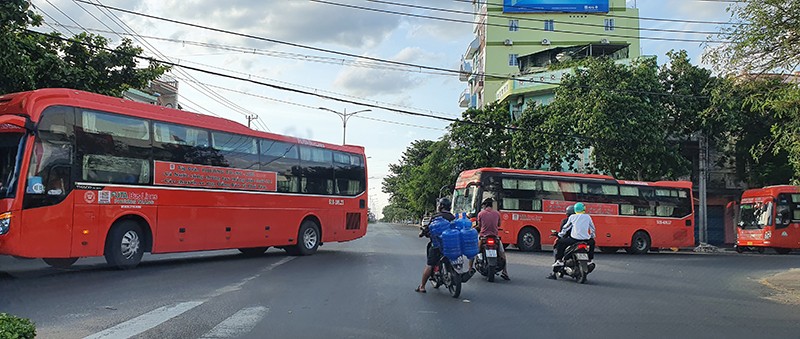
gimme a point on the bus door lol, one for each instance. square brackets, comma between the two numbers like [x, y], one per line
[787, 221]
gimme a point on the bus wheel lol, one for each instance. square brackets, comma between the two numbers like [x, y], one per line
[528, 240]
[308, 239]
[640, 243]
[124, 248]
[781, 250]
[253, 251]
[739, 249]
[60, 262]
[609, 250]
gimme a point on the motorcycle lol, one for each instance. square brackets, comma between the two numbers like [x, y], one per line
[446, 272]
[576, 262]
[487, 262]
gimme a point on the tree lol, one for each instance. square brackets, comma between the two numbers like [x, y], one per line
[29, 60]
[765, 37]
[616, 112]
[482, 138]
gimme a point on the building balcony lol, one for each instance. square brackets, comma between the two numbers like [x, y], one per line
[473, 48]
[464, 99]
[466, 71]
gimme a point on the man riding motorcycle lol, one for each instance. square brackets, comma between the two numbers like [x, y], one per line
[434, 253]
[488, 224]
[579, 227]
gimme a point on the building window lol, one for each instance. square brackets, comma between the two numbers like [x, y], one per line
[609, 24]
[549, 25]
[512, 59]
[513, 25]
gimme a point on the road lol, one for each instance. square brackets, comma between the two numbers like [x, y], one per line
[364, 289]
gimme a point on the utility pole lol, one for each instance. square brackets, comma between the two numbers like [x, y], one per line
[251, 118]
[703, 159]
[345, 116]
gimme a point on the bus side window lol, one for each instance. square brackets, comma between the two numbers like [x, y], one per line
[783, 213]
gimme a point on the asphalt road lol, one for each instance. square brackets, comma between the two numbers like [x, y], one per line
[364, 289]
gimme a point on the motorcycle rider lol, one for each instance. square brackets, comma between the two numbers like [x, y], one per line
[434, 253]
[488, 224]
[579, 227]
[570, 211]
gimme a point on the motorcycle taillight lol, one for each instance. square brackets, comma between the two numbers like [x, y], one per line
[490, 242]
[583, 247]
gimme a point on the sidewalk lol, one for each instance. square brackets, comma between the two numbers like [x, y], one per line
[786, 285]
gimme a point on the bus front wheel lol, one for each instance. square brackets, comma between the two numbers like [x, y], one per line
[308, 239]
[60, 262]
[528, 240]
[124, 245]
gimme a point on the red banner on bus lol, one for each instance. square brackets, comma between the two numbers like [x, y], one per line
[591, 208]
[189, 175]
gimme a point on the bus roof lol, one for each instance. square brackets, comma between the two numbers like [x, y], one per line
[32, 103]
[770, 191]
[476, 172]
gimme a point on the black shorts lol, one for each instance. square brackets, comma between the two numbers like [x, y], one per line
[434, 254]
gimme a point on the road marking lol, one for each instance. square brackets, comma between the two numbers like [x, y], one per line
[237, 286]
[238, 324]
[145, 321]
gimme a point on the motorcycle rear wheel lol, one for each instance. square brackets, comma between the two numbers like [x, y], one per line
[583, 271]
[453, 282]
[490, 273]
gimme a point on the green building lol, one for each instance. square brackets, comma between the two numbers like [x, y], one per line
[516, 41]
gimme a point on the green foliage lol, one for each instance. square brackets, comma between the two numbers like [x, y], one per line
[482, 138]
[764, 38]
[12, 327]
[29, 61]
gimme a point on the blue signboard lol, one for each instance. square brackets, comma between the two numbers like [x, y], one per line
[571, 6]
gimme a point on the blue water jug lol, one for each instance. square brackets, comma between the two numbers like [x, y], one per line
[464, 222]
[451, 244]
[469, 242]
[437, 227]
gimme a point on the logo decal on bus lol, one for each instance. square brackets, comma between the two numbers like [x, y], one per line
[190, 175]
[89, 197]
[104, 197]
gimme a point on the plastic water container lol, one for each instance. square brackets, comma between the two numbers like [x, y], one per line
[469, 242]
[437, 227]
[462, 223]
[451, 244]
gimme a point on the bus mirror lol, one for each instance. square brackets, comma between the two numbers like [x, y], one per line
[15, 122]
[740, 224]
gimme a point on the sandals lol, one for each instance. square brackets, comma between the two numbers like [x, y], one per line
[418, 289]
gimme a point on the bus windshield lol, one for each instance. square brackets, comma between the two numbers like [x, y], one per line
[10, 144]
[464, 200]
[755, 215]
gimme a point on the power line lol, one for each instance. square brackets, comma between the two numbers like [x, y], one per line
[704, 22]
[323, 96]
[540, 20]
[604, 35]
[493, 77]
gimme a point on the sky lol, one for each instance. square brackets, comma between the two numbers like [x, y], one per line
[289, 43]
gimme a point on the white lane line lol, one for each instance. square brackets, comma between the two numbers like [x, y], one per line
[145, 321]
[238, 324]
[237, 286]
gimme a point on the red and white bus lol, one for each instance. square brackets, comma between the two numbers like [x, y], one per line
[85, 175]
[769, 217]
[632, 215]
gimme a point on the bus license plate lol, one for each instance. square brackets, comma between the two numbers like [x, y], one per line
[582, 256]
[491, 253]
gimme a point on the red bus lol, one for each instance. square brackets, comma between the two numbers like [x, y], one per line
[769, 217]
[632, 215]
[85, 175]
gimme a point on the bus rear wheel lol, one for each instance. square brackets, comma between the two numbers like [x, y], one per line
[124, 245]
[640, 243]
[60, 262]
[308, 239]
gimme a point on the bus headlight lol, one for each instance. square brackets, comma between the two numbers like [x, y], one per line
[5, 222]
[767, 235]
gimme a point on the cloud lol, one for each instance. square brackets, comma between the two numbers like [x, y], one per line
[367, 81]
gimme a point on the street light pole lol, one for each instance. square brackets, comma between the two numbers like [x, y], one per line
[345, 116]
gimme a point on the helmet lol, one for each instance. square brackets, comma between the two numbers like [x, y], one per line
[443, 205]
[580, 208]
[570, 210]
[487, 202]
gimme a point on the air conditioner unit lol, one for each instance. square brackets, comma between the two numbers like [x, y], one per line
[604, 41]
[508, 42]
[545, 42]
